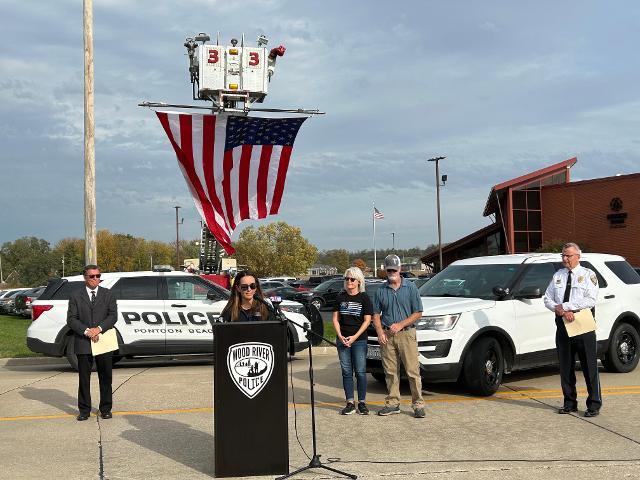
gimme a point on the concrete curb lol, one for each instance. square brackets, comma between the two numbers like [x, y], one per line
[28, 361]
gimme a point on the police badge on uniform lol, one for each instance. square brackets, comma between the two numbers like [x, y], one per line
[250, 365]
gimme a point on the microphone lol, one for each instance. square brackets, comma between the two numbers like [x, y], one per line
[264, 302]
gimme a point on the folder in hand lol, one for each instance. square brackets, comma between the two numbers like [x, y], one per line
[107, 342]
[583, 322]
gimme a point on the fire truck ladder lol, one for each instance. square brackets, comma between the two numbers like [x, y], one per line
[210, 258]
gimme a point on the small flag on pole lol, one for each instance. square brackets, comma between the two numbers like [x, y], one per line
[377, 214]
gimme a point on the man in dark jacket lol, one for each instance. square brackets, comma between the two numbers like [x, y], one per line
[92, 310]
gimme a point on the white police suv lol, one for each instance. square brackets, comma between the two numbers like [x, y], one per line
[484, 317]
[159, 313]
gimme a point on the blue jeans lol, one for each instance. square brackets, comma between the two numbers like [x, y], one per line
[354, 360]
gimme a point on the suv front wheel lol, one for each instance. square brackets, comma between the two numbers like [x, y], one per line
[622, 356]
[483, 367]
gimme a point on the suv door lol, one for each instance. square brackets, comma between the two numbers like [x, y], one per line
[334, 287]
[141, 319]
[535, 325]
[191, 313]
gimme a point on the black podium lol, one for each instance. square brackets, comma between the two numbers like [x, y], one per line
[250, 401]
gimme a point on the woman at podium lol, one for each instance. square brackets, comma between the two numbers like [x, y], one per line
[242, 306]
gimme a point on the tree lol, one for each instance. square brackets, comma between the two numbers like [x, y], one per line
[72, 251]
[275, 249]
[361, 264]
[338, 258]
[26, 262]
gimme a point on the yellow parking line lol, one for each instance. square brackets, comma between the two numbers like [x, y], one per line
[521, 395]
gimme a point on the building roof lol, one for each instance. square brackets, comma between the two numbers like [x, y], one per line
[492, 202]
[433, 255]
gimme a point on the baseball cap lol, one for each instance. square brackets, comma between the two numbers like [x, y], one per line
[392, 262]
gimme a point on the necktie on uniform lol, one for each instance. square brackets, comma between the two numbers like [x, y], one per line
[567, 289]
[93, 296]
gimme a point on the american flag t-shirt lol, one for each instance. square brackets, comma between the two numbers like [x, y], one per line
[235, 166]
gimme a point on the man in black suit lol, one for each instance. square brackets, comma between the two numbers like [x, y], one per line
[92, 310]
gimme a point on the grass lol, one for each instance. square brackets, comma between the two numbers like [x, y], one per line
[13, 334]
[329, 331]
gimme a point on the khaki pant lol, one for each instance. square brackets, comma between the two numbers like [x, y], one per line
[403, 347]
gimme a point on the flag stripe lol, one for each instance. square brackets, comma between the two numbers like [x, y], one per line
[263, 178]
[243, 184]
[282, 173]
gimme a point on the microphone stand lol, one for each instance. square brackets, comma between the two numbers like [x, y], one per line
[315, 460]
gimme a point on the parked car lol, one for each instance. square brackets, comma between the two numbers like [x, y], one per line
[7, 302]
[417, 281]
[407, 274]
[279, 279]
[23, 301]
[323, 295]
[485, 317]
[271, 284]
[159, 313]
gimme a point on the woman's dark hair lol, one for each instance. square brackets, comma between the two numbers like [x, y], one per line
[235, 301]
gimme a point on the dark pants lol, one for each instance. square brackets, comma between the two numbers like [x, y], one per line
[103, 364]
[586, 347]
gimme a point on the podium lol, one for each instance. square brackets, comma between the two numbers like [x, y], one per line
[250, 415]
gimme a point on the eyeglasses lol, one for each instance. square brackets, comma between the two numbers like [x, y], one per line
[97, 275]
[350, 279]
[391, 270]
[247, 286]
[564, 255]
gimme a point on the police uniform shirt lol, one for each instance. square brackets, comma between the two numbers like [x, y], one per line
[584, 289]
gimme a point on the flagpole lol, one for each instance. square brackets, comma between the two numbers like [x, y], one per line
[375, 258]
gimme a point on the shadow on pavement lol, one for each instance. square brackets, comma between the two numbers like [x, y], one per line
[173, 440]
[49, 396]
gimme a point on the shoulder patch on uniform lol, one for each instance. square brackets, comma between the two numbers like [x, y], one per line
[594, 279]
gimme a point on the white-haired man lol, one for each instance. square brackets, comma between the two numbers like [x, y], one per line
[574, 288]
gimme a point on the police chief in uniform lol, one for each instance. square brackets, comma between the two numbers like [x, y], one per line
[574, 288]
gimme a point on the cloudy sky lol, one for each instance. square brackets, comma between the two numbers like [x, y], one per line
[500, 88]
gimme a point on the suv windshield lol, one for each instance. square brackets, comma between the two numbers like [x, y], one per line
[469, 281]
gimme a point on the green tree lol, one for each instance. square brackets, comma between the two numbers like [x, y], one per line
[338, 258]
[275, 249]
[72, 251]
[26, 262]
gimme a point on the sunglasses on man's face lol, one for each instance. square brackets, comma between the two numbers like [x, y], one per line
[391, 270]
[350, 279]
[97, 275]
[247, 286]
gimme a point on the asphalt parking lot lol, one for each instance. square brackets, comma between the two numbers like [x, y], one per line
[162, 427]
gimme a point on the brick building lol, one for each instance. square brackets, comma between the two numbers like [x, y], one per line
[602, 215]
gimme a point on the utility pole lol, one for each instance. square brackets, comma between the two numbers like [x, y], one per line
[177, 240]
[393, 241]
[1, 278]
[63, 265]
[437, 160]
[90, 249]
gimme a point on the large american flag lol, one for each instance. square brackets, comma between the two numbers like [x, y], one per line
[235, 166]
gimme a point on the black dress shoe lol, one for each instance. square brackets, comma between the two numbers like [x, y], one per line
[591, 413]
[567, 410]
[106, 415]
[82, 417]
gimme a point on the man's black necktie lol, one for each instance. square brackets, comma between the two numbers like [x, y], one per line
[567, 289]
[93, 296]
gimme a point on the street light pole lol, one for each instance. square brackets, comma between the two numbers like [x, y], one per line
[393, 241]
[437, 161]
[177, 240]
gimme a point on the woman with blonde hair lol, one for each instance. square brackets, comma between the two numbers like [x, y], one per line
[351, 318]
[242, 306]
